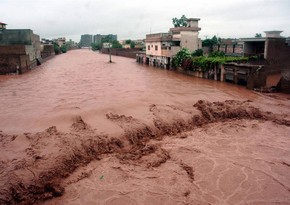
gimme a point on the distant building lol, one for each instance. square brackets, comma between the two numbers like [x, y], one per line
[2, 26]
[20, 50]
[46, 41]
[112, 37]
[232, 47]
[140, 43]
[161, 47]
[61, 41]
[273, 66]
[86, 40]
[98, 38]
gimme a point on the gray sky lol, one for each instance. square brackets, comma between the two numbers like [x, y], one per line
[133, 19]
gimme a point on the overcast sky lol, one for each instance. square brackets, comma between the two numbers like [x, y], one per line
[133, 19]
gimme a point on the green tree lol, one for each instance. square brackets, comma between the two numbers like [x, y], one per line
[182, 22]
[63, 48]
[258, 35]
[116, 44]
[95, 46]
[132, 44]
[128, 41]
[56, 48]
[198, 52]
[180, 57]
[210, 42]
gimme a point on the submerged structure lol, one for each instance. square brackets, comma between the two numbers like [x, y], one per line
[20, 50]
[161, 47]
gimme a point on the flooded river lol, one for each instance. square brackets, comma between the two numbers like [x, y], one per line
[82, 82]
[80, 131]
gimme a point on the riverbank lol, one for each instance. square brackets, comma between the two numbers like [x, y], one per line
[121, 133]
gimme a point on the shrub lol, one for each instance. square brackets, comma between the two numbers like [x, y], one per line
[198, 52]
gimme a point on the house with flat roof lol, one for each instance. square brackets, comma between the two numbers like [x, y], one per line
[2, 26]
[273, 67]
[161, 47]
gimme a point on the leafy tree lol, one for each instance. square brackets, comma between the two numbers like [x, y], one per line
[63, 48]
[128, 41]
[56, 48]
[116, 44]
[198, 52]
[211, 42]
[258, 35]
[182, 22]
[132, 44]
[180, 56]
[95, 46]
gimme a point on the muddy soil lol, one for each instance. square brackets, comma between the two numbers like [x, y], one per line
[189, 144]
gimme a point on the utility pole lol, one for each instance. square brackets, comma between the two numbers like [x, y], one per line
[110, 47]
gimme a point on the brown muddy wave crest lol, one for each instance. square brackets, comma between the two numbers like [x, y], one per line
[36, 164]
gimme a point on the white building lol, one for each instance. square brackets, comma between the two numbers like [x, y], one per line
[161, 47]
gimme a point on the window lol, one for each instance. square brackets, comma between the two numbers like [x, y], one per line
[156, 48]
[148, 47]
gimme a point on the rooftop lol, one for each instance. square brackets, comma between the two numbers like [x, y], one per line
[193, 19]
[178, 29]
[1, 23]
[157, 37]
[261, 39]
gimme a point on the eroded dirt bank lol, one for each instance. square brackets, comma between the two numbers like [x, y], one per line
[211, 153]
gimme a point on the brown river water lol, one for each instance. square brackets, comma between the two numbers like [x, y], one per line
[78, 130]
[83, 83]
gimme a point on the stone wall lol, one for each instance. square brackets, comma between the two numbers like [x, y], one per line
[14, 63]
[230, 49]
[47, 51]
[129, 53]
[14, 58]
[277, 54]
[16, 37]
[12, 49]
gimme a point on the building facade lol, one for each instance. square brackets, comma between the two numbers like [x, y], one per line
[98, 38]
[271, 70]
[20, 50]
[161, 47]
[86, 40]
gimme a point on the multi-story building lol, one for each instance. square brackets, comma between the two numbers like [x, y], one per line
[20, 50]
[86, 40]
[161, 47]
[98, 38]
[60, 41]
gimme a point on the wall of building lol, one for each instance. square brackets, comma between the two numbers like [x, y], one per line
[277, 54]
[16, 36]
[86, 40]
[12, 49]
[189, 40]
[47, 51]
[13, 57]
[254, 48]
[152, 50]
[129, 53]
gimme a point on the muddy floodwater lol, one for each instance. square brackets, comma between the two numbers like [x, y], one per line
[79, 130]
